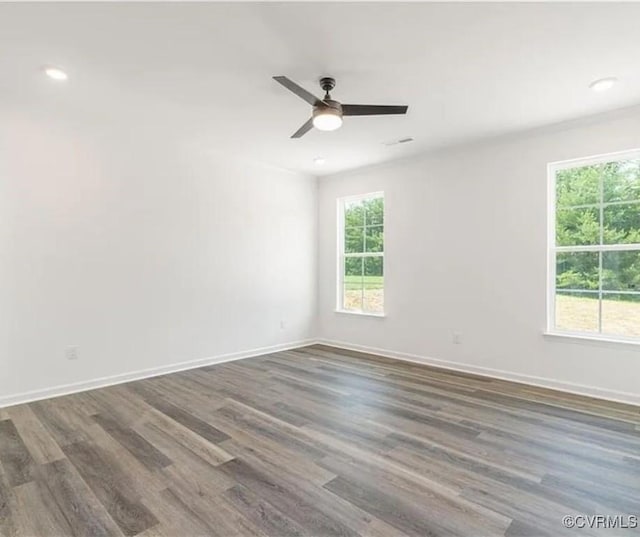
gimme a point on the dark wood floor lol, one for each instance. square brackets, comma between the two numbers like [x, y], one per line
[316, 442]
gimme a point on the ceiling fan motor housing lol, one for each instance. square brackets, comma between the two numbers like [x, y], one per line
[327, 83]
[328, 106]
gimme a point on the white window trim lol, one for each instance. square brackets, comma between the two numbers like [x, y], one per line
[552, 249]
[341, 254]
[361, 313]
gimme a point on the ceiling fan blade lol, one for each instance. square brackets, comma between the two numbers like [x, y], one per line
[304, 129]
[298, 90]
[371, 110]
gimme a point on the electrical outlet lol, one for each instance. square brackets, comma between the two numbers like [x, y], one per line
[283, 325]
[456, 338]
[72, 352]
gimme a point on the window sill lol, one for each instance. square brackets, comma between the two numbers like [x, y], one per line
[361, 313]
[605, 341]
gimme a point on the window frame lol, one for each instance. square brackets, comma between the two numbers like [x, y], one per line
[553, 249]
[342, 255]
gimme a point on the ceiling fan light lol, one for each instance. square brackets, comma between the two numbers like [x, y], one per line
[327, 120]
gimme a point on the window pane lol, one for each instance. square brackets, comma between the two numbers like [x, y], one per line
[578, 186]
[353, 214]
[354, 240]
[577, 270]
[374, 211]
[621, 315]
[577, 312]
[374, 239]
[577, 227]
[621, 180]
[362, 236]
[621, 271]
[373, 285]
[598, 292]
[353, 270]
[622, 223]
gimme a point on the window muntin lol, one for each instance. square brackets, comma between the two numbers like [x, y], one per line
[361, 254]
[594, 257]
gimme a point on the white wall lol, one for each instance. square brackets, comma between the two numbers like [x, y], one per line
[142, 251]
[146, 252]
[466, 252]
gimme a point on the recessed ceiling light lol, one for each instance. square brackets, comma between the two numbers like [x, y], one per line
[603, 84]
[55, 73]
[319, 161]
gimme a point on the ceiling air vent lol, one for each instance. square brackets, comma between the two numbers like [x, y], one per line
[405, 140]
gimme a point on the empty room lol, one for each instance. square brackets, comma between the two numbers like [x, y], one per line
[319, 269]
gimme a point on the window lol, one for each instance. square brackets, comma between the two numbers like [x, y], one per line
[361, 254]
[594, 257]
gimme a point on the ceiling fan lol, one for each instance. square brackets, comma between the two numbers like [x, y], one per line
[327, 114]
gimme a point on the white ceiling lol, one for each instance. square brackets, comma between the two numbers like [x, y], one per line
[202, 72]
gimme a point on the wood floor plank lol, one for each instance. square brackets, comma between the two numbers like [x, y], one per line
[273, 430]
[188, 420]
[525, 507]
[409, 518]
[38, 440]
[14, 455]
[120, 404]
[262, 513]
[214, 512]
[309, 491]
[109, 485]
[81, 509]
[268, 488]
[61, 422]
[133, 475]
[142, 450]
[386, 487]
[38, 513]
[313, 442]
[178, 517]
[612, 496]
[242, 446]
[9, 514]
[165, 435]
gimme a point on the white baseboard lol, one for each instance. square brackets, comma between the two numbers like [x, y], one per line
[66, 389]
[569, 387]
